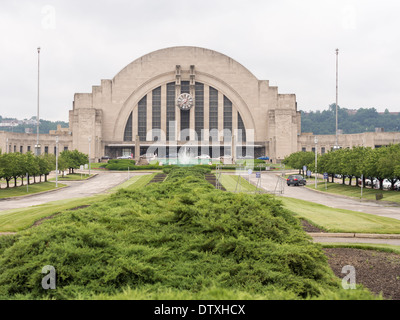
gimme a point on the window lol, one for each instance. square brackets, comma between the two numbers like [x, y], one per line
[142, 119]
[303, 149]
[171, 111]
[28, 149]
[241, 129]
[213, 123]
[323, 150]
[185, 114]
[20, 149]
[65, 148]
[227, 119]
[185, 87]
[128, 129]
[156, 114]
[199, 110]
[46, 150]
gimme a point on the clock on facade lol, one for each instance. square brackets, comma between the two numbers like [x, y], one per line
[184, 101]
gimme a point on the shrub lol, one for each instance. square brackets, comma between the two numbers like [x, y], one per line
[181, 235]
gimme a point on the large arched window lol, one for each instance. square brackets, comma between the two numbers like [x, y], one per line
[209, 105]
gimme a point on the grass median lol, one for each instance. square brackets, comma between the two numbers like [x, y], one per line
[340, 220]
[326, 218]
[19, 219]
[355, 192]
[27, 190]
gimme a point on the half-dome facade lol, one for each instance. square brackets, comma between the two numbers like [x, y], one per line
[185, 96]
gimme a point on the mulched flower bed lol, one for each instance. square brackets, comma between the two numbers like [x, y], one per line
[376, 270]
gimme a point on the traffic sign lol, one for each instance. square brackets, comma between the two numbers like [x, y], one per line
[308, 173]
[304, 168]
[258, 175]
[326, 175]
[250, 171]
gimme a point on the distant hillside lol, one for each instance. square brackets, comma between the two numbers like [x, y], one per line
[349, 120]
[16, 125]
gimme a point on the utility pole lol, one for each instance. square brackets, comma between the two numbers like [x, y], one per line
[316, 141]
[337, 86]
[37, 117]
[56, 161]
[90, 140]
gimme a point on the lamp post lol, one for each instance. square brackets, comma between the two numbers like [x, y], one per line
[337, 86]
[316, 141]
[90, 140]
[56, 161]
[37, 117]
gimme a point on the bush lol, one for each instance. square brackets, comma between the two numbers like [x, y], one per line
[181, 235]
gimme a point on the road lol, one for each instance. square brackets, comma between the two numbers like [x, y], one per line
[100, 183]
[271, 183]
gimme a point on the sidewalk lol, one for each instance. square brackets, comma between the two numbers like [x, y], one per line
[361, 238]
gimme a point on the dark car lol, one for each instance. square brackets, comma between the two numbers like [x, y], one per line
[296, 180]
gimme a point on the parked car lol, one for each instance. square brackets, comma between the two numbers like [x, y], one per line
[386, 184]
[125, 157]
[296, 180]
[105, 158]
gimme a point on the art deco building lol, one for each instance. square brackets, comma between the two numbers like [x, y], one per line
[186, 98]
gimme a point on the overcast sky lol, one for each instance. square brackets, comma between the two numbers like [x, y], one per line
[290, 43]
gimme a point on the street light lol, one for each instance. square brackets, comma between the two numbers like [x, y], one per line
[37, 118]
[316, 141]
[90, 140]
[56, 161]
[336, 147]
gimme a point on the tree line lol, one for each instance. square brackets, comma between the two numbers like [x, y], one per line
[363, 120]
[358, 162]
[26, 165]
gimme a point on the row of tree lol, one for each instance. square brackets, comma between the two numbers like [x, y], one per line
[358, 162]
[26, 165]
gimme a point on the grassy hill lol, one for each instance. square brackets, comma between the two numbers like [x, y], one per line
[180, 239]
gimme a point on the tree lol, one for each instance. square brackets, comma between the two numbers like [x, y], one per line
[300, 159]
[47, 163]
[7, 162]
[387, 163]
[74, 159]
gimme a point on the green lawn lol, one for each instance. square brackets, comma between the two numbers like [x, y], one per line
[366, 246]
[340, 220]
[353, 191]
[329, 219]
[20, 219]
[230, 182]
[32, 188]
[138, 181]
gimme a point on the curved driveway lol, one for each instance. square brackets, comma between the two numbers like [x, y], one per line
[272, 183]
[100, 183]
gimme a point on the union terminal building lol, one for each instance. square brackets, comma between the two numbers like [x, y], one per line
[187, 99]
